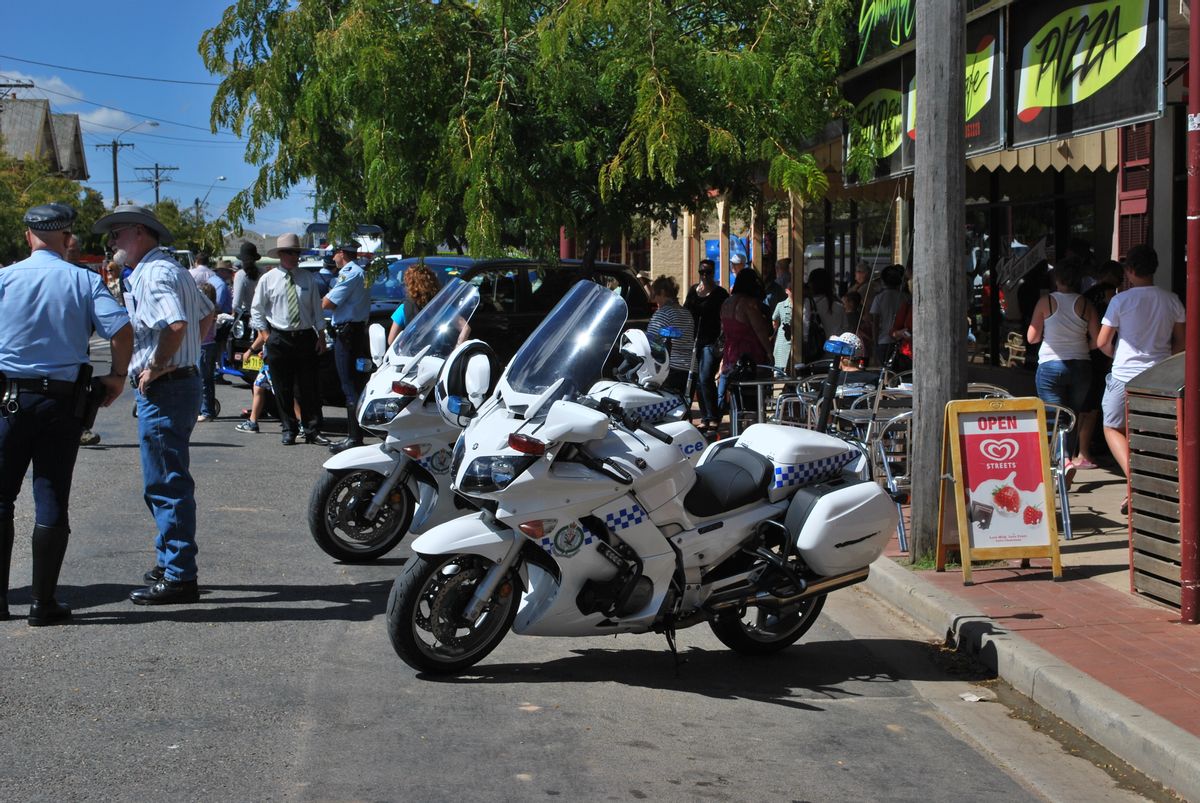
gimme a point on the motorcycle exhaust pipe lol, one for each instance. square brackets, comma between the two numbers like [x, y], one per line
[766, 599]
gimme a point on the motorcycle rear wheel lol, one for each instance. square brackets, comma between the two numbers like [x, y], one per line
[424, 613]
[333, 509]
[760, 631]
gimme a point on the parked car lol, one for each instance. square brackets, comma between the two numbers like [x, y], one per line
[515, 294]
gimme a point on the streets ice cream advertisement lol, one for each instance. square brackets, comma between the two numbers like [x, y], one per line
[1005, 478]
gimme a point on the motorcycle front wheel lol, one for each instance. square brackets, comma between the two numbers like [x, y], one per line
[337, 523]
[425, 613]
[759, 631]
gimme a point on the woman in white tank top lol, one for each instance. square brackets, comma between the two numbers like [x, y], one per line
[1066, 324]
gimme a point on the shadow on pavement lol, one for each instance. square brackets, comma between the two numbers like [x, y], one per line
[817, 669]
[249, 603]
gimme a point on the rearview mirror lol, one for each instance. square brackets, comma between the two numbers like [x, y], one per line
[378, 340]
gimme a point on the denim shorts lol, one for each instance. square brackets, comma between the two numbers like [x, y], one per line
[1113, 403]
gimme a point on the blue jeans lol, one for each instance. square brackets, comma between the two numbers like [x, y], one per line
[208, 364]
[44, 432]
[1066, 383]
[166, 417]
[710, 361]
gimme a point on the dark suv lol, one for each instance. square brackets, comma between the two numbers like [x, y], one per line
[516, 294]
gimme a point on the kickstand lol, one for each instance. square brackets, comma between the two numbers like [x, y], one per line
[670, 634]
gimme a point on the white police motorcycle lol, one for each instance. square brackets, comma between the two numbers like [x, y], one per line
[369, 497]
[594, 522]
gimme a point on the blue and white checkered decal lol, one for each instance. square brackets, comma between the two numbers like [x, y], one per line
[812, 472]
[625, 518]
[658, 410]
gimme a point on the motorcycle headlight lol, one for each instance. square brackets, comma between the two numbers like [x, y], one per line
[382, 411]
[491, 474]
[240, 330]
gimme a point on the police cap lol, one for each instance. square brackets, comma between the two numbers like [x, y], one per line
[350, 247]
[50, 217]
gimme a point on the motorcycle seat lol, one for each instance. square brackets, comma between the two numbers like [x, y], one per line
[733, 478]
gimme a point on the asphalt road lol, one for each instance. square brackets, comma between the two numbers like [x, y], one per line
[281, 683]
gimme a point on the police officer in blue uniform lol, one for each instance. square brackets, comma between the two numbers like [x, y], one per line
[48, 310]
[351, 305]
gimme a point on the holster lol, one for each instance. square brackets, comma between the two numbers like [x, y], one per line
[88, 397]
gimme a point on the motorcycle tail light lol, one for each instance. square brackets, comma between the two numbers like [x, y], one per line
[538, 528]
[526, 445]
[405, 389]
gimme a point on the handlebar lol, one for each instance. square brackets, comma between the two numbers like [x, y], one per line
[613, 409]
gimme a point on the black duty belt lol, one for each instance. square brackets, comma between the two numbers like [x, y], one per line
[49, 387]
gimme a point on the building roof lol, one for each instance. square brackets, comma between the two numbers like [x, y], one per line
[68, 136]
[27, 131]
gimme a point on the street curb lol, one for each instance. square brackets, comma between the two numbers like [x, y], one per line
[1156, 747]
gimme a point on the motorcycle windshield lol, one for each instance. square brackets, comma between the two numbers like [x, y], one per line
[442, 324]
[571, 344]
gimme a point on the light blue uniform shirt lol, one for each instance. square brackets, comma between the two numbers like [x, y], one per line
[48, 310]
[351, 296]
[160, 294]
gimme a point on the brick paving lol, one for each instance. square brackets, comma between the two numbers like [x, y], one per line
[1090, 619]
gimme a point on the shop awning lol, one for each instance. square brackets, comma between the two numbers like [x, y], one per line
[1095, 151]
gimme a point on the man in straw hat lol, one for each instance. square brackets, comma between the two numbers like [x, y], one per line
[48, 309]
[168, 314]
[286, 312]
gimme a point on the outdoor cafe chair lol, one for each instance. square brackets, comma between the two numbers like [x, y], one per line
[891, 465]
[984, 390]
[1060, 421]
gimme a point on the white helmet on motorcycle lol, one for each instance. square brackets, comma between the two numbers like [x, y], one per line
[849, 345]
[465, 382]
[642, 362]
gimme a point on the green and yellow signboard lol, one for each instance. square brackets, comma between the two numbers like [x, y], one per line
[1083, 67]
[983, 127]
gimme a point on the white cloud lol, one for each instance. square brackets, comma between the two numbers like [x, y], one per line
[44, 87]
[105, 121]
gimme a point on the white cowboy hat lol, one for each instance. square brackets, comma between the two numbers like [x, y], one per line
[285, 242]
[131, 213]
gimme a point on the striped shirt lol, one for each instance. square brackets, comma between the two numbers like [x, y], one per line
[162, 293]
[269, 310]
[673, 315]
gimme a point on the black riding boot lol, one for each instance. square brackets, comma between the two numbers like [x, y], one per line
[354, 435]
[49, 548]
[6, 545]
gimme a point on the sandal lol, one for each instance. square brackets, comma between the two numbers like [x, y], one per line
[1083, 465]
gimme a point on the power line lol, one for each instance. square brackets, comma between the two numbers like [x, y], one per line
[90, 123]
[126, 111]
[111, 74]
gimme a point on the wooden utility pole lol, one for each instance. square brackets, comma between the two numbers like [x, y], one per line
[159, 176]
[115, 147]
[939, 276]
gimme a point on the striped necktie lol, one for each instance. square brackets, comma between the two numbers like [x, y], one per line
[293, 302]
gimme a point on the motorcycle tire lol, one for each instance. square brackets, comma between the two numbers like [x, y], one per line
[767, 633]
[331, 508]
[424, 613]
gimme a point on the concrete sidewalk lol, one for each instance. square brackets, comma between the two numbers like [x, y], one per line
[1121, 669]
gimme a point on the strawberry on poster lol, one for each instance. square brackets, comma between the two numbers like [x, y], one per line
[1004, 475]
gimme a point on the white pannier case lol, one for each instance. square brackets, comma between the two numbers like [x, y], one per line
[800, 457]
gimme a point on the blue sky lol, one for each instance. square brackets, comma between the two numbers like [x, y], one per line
[161, 42]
